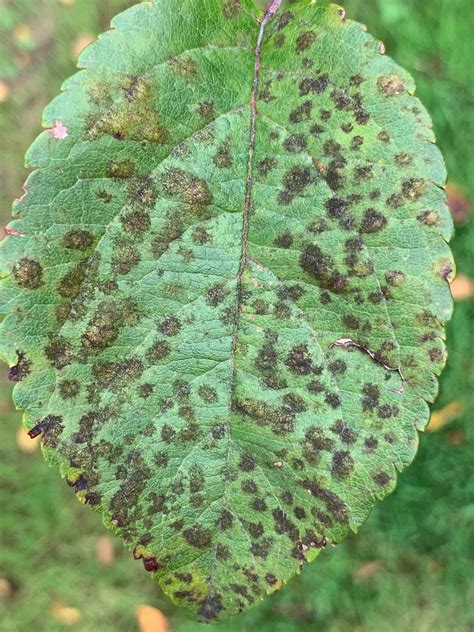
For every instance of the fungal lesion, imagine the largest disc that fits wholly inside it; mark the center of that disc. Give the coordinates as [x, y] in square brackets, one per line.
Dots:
[133, 116]
[377, 356]
[106, 324]
[21, 369]
[28, 273]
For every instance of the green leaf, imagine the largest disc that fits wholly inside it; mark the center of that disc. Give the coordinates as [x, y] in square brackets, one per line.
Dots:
[226, 312]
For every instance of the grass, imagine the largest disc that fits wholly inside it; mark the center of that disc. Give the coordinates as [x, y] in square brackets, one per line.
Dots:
[410, 568]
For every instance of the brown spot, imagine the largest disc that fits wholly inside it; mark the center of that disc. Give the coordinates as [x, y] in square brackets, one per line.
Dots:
[301, 113]
[211, 606]
[198, 537]
[206, 110]
[295, 181]
[299, 360]
[104, 327]
[51, 428]
[151, 565]
[158, 351]
[59, 352]
[28, 273]
[285, 240]
[21, 369]
[69, 389]
[231, 9]
[295, 143]
[266, 165]
[342, 464]
[170, 326]
[78, 240]
[216, 294]
[315, 85]
[120, 170]
[382, 479]
[304, 41]
[413, 189]
[223, 157]
[373, 221]
[391, 85]
[136, 222]
[429, 218]
[188, 187]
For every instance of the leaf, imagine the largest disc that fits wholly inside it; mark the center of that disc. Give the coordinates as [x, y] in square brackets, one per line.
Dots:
[226, 307]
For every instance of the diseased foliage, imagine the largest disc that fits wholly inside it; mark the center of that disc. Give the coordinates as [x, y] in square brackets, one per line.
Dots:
[226, 316]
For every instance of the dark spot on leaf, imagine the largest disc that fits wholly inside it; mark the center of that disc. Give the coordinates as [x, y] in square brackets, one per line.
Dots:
[284, 19]
[223, 157]
[189, 188]
[346, 434]
[342, 464]
[301, 113]
[315, 85]
[104, 327]
[69, 389]
[198, 537]
[295, 144]
[373, 221]
[391, 85]
[336, 208]
[284, 240]
[120, 170]
[266, 165]
[78, 240]
[170, 326]
[231, 8]
[151, 565]
[211, 607]
[158, 351]
[28, 273]
[304, 41]
[413, 189]
[59, 352]
[299, 360]
[216, 294]
[321, 266]
[136, 222]
[206, 110]
[21, 369]
[382, 479]
[208, 394]
[249, 486]
[247, 464]
[51, 428]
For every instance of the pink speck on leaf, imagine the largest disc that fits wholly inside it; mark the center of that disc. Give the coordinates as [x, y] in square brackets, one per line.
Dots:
[59, 130]
[12, 232]
[343, 342]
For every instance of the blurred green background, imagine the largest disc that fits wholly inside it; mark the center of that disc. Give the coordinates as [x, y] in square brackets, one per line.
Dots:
[411, 567]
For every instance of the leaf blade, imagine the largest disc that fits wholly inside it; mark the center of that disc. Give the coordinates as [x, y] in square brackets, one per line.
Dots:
[258, 439]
